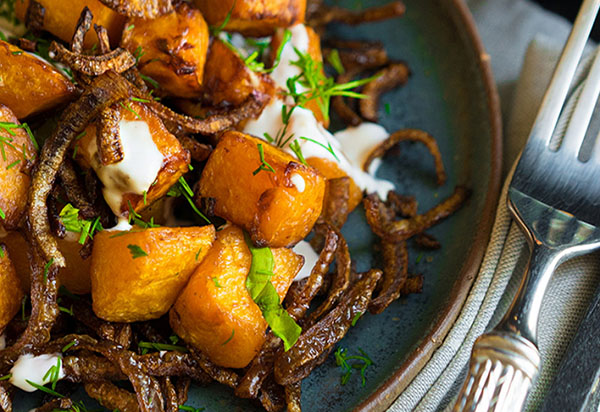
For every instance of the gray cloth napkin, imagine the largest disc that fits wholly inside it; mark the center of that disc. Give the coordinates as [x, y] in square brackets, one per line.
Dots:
[524, 43]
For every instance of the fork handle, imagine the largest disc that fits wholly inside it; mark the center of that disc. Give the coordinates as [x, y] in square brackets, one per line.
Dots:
[502, 367]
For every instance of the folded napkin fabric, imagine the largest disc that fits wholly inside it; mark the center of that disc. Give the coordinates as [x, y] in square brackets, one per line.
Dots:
[573, 284]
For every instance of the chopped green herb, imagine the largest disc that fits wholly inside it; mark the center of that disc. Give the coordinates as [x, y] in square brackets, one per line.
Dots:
[68, 346]
[198, 253]
[174, 339]
[190, 167]
[131, 26]
[6, 377]
[69, 216]
[419, 258]
[145, 193]
[229, 339]
[328, 147]
[53, 374]
[336, 62]
[263, 163]
[150, 80]
[182, 188]
[80, 135]
[68, 311]
[295, 147]
[263, 293]
[341, 359]
[216, 30]
[44, 389]
[138, 53]
[2, 253]
[216, 282]
[17, 52]
[387, 108]
[3, 36]
[47, 268]
[128, 107]
[356, 318]
[2, 214]
[137, 99]
[161, 346]
[13, 164]
[190, 408]
[136, 251]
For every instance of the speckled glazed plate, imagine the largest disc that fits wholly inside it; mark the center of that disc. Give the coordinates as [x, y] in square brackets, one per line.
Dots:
[451, 95]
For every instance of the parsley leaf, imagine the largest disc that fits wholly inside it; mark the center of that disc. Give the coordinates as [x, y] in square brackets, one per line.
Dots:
[136, 251]
[263, 293]
[69, 216]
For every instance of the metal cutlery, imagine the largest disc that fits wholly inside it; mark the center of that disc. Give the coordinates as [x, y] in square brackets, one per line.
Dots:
[554, 197]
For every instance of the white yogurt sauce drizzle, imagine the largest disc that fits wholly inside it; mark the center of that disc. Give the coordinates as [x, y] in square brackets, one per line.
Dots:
[33, 368]
[350, 146]
[136, 172]
[304, 248]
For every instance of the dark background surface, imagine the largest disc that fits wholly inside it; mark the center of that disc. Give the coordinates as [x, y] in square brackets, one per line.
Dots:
[568, 9]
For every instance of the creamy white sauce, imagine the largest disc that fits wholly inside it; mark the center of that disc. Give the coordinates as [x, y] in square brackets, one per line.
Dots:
[302, 123]
[298, 181]
[136, 172]
[357, 142]
[33, 368]
[122, 225]
[285, 69]
[304, 248]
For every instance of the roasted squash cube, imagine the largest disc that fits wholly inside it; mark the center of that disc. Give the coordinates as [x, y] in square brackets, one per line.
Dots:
[75, 276]
[251, 17]
[61, 17]
[171, 49]
[142, 159]
[10, 289]
[16, 158]
[215, 312]
[278, 201]
[29, 85]
[137, 275]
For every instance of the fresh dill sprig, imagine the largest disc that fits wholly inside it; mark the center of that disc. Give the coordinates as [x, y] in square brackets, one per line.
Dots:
[161, 346]
[295, 147]
[216, 30]
[341, 359]
[263, 163]
[334, 59]
[328, 147]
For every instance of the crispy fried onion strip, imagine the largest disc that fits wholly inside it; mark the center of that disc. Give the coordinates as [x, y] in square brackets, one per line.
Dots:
[427, 241]
[103, 39]
[260, 367]
[108, 139]
[56, 404]
[118, 60]
[336, 207]
[105, 90]
[415, 136]
[198, 151]
[147, 9]
[5, 396]
[111, 396]
[179, 124]
[75, 191]
[398, 230]
[297, 363]
[389, 77]
[395, 266]
[221, 375]
[292, 397]
[83, 26]
[337, 14]
[272, 396]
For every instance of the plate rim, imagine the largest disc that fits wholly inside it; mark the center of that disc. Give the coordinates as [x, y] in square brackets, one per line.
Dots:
[392, 387]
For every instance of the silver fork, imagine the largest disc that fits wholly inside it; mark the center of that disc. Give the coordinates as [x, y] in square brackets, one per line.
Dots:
[554, 197]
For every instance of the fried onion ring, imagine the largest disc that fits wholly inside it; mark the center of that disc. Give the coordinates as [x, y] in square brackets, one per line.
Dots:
[388, 78]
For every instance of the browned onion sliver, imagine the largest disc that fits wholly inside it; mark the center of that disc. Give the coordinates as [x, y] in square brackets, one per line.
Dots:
[395, 272]
[111, 396]
[81, 28]
[108, 138]
[118, 60]
[389, 77]
[147, 9]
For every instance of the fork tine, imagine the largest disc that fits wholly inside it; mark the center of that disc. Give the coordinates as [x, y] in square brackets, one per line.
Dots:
[556, 94]
[584, 109]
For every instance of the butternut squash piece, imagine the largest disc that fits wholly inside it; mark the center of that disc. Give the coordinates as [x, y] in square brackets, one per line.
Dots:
[75, 276]
[331, 170]
[137, 275]
[277, 207]
[16, 154]
[227, 79]
[10, 289]
[175, 161]
[314, 51]
[171, 49]
[215, 312]
[60, 19]
[29, 85]
[251, 17]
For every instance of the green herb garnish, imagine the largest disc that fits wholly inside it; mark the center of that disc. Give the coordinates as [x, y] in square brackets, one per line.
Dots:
[216, 30]
[336, 62]
[161, 346]
[53, 374]
[136, 251]
[216, 282]
[6, 377]
[190, 408]
[229, 339]
[47, 268]
[328, 147]
[263, 163]
[341, 359]
[263, 293]
[69, 216]
[44, 389]
[295, 147]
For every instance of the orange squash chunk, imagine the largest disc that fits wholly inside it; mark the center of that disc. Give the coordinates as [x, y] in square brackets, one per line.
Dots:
[137, 275]
[75, 276]
[215, 312]
[278, 208]
[173, 49]
[16, 154]
[175, 162]
[10, 289]
[29, 85]
[251, 17]
[331, 170]
[60, 18]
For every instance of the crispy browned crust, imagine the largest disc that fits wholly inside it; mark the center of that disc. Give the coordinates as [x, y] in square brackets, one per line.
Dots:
[108, 139]
[118, 60]
[147, 9]
[111, 396]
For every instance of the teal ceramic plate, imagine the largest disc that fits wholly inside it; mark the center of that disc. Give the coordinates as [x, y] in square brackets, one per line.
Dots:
[451, 95]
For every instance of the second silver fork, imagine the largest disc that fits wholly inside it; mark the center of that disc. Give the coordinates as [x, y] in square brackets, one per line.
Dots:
[555, 198]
